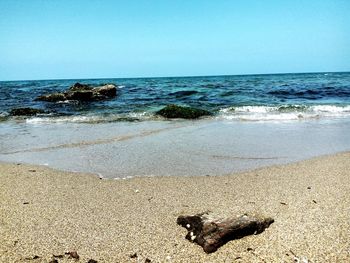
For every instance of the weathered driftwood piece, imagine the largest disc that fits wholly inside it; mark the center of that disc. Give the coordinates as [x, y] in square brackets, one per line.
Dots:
[212, 232]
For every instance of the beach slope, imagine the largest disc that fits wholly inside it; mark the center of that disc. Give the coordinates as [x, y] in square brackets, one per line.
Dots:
[45, 212]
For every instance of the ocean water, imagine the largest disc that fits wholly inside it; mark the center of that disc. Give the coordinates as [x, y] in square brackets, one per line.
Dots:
[258, 120]
[247, 97]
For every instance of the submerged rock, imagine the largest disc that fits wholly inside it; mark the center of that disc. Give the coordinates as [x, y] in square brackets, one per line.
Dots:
[26, 112]
[82, 92]
[175, 111]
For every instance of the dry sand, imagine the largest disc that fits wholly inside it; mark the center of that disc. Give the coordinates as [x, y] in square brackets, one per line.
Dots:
[44, 212]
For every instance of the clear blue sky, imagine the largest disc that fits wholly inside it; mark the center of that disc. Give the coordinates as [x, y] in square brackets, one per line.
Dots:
[48, 39]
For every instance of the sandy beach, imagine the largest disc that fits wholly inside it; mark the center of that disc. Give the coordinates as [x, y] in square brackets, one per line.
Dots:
[174, 131]
[46, 212]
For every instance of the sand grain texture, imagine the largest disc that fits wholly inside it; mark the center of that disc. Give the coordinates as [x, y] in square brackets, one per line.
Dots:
[45, 212]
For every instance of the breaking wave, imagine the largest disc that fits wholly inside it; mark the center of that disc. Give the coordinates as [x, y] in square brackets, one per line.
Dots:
[237, 113]
[101, 118]
[284, 112]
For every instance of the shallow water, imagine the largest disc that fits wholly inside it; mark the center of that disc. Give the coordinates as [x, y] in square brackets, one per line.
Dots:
[157, 148]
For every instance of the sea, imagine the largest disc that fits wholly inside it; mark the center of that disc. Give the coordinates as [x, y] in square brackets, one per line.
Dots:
[257, 120]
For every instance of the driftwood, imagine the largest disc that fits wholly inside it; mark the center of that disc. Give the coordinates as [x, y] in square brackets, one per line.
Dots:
[212, 232]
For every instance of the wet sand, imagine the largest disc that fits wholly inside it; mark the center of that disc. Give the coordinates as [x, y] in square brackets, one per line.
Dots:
[45, 212]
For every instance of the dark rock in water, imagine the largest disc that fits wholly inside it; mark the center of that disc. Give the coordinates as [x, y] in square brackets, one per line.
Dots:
[108, 90]
[26, 112]
[82, 92]
[79, 86]
[82, 95]
[212, 232]
[174, 111]
[54, 97]
[92, 261]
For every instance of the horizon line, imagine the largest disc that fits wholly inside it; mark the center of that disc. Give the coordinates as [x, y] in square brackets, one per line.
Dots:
[184, 76]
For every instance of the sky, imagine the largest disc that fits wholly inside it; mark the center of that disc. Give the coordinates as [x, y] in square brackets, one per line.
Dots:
[65, 39]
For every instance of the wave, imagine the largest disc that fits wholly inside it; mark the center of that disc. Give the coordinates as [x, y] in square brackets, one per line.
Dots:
[235, 113]
[324, 92]
[98, 118]
[4, 116]
[183, 93]
[284, 112]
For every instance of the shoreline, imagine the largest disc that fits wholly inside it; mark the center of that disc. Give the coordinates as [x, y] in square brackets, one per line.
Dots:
[237, 173]
[46, 212]
[178, 148]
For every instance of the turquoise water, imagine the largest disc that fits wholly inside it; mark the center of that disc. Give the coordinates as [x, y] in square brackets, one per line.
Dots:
[247, 97]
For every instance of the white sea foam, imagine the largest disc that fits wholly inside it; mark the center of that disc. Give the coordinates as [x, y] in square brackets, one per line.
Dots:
[91, 118]
[245, 113]
[284, 113]
[264, 117]
[250, 109]
[67, 102]
[331, 109]
[78, 119]
[4, 114]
